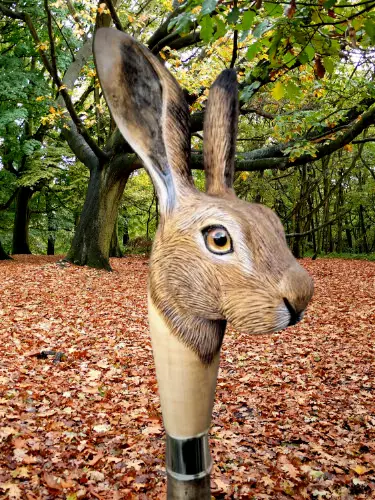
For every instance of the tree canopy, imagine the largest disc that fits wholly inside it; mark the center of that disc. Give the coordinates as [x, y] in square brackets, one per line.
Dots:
[306, 132]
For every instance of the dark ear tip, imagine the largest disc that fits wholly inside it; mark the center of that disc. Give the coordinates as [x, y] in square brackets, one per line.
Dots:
[230, 74]
[227, 80]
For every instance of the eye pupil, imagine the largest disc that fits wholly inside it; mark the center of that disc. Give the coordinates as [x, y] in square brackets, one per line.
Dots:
[217, 240]
[220, 239]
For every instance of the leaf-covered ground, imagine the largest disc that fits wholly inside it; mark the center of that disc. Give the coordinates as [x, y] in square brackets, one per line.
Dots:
[294, 414]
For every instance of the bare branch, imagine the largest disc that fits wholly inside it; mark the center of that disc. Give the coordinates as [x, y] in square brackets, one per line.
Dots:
[235, 42]
[257, 111]
[8, 203]
[64, 37]
[74, 14]
[345, 20]
[114, 15]
[162, 31]
[306, 233]
[51, 39]
[360, 141]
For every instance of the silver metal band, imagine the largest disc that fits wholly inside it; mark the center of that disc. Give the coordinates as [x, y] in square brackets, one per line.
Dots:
[188, 458]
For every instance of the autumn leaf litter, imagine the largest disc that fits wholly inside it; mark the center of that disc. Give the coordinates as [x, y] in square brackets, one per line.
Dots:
[294, 415]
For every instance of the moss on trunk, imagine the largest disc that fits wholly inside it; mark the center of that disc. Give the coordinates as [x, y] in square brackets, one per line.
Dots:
[92, 240]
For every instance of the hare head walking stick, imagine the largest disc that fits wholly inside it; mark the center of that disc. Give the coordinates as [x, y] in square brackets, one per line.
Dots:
[215, 258]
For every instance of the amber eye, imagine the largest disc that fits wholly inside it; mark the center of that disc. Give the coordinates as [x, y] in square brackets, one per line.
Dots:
[217, 240]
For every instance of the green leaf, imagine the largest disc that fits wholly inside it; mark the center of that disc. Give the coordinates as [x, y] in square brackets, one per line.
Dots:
[303, 58]
[207, 28]
[247, 20]
[369, 26]
[289, 59]
[278, 91]
[307, 54]
[208, 7]
[253, 50]
[329, 65]
[329, 3]
[10, 116]
[233, 15]
[243, 35]
[255, 85]
[335, 47]
[28, 147]
[262, 28]
[292, 90]
[272, 51]
[310, 51]
[273, 9]
[181, 23]
[221, 27]
[71, 496]
[248, 92]
[357, 24]
[316, 474]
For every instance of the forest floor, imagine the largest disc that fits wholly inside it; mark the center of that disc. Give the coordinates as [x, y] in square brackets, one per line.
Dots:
[294, 414]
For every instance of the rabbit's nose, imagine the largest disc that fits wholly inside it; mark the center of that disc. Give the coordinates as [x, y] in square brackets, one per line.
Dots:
[296, 289]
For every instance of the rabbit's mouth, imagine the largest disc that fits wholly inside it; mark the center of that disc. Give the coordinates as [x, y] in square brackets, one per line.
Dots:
[263, 319]
[287, 315]
[295, 316]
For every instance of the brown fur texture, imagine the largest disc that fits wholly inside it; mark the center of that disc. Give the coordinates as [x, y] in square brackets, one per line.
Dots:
[220, 133]
[149, 108]
[197, 292]
[258, 287]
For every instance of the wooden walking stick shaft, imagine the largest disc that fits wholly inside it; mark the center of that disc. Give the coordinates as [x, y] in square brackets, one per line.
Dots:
[188, 490]
[187, 390]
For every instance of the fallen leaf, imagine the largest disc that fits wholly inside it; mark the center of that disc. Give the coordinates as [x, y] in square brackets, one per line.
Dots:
[12, 489]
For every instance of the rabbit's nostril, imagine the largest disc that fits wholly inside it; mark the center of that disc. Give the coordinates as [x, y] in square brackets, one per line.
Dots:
[295, 316]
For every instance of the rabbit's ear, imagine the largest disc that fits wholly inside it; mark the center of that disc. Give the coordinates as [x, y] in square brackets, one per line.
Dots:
[149, 109]
[220, 133]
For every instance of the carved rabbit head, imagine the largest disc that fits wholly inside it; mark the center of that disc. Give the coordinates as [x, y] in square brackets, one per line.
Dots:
[215, 257]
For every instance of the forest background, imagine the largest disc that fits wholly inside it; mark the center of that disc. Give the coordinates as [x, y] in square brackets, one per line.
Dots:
[69, 183]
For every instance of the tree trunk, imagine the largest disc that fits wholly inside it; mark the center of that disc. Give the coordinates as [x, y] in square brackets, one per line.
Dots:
[52, 226]
[51, 245]
[125, 236]
[362, 231]
[296, 246]
[258, 194]
[312, 225]
[92, 239]
[330, 239]
[115, 249]
[348, 233]
[339, 209]
[3, 254]
[326, 216]
[319, 234]
[21, 222]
